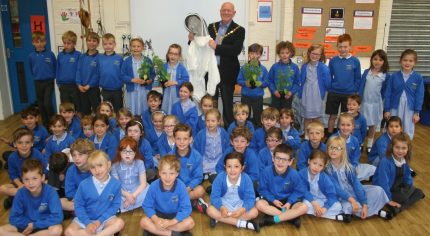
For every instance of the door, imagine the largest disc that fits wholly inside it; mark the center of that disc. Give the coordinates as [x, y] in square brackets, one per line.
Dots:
[20, 18]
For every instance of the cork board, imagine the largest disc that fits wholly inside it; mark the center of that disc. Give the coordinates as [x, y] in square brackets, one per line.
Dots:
[358, 18]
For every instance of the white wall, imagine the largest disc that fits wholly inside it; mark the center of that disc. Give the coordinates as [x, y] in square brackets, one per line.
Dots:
[6, 108]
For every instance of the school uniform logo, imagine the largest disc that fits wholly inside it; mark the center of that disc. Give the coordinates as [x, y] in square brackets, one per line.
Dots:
[175, 199]
[189, 166]
[116, 62]
[72, 60]
[286, 185]
[48, 60]
[43, 207]
[36, 139]
[93, 64]
[349, 67]
[111, 197]
[413, 86]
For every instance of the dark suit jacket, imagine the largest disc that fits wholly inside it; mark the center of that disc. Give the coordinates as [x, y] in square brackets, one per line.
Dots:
[228, 51]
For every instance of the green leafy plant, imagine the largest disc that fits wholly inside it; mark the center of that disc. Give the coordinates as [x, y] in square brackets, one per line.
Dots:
[145, 69]
[160, 71]
[251, 72]
[283, 81]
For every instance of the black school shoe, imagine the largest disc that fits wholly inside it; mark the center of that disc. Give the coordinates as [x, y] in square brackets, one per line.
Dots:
[296, 222]
[212, 222]
[266, 220]
[346, 218]
[255, 224]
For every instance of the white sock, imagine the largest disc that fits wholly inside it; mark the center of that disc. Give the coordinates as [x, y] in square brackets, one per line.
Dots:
[382, 213]
[339, 217]
[369, 142]
[244, 224]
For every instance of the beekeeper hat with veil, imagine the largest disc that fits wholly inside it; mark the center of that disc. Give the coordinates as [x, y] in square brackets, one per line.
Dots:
[200, 57]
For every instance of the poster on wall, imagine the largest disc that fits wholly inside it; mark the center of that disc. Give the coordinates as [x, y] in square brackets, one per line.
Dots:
[336, 13]
[331, 34]
[38, 24]
[364, 1]
[265, 54]
[264, 13]
[69, 16]
[311, 16]
[363, 19]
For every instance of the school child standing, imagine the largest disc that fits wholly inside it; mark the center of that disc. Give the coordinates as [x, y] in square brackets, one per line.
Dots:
[281, 188]
[320, 196]
[110, 73]
[36, 209]
[405, 93]
[104, 140]
[137, 88]
[361, 200]
[345, 74]
[167, 204]
[241, 114]
[211, 142]
[87, 76]
[59, 139]
[393, 175]
[177, 74]
[128, 167]
[232, 196]
[315, 134]
[314, 82]
[283, 77]
[185, 109]
[77, 171]
[372, 88]
[379, 150]
[253, 79]
[67, 65]
[97, 200]
[43, 69]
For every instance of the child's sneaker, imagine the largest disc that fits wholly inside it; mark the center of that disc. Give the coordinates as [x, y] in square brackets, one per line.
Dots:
[200, 205]
[212, 222]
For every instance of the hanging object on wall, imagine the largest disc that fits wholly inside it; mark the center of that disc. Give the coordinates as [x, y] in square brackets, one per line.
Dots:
[100, 28]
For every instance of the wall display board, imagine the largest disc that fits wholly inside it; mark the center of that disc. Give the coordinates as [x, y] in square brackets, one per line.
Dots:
[323, 21]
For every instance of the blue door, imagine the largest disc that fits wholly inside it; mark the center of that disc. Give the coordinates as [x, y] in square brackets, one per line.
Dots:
[20, 18]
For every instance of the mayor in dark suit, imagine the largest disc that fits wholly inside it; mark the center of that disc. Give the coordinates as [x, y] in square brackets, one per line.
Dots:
[227, 41]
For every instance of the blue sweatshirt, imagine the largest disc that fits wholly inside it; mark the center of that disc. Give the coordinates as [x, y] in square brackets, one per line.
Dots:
[110, 72]
[245, 190]
[88, 70]
[292, 138]
[175, 200]
[119, 133]
[379, 148]
[305, 151]
[279, 71]
[201, 123]
[248, 125]
[200, 140]
[265, 158]
[274, 186]
[385, 175]
[152, 137]
[345, 74]
[127, 74]
[52, 146]
[109, 144]
[43, 65]
[40, 135]
[67, 66]
[146, 150]
[191, 171]
[163, 145]
[413, 87]
[323, 76]
[363, 84]
[353, 181]
[15, 163]
[181, 76]
[73, 178]
[258, 140]
[360, 128]
[250, 160]
[90, 206]
[43, 211]
[190, 117]
[248, 91]
[325, 185]
[74, 128]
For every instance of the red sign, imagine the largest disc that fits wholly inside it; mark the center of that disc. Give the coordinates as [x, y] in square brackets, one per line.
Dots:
[302, 44]
[38, 24]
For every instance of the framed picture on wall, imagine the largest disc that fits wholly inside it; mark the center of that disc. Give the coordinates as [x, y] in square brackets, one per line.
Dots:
[337, 13]
[264, 11]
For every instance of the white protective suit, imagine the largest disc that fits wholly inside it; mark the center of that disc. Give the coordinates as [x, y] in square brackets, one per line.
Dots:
[201, 59]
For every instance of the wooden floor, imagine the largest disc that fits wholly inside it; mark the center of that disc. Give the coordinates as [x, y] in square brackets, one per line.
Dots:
[414, 221]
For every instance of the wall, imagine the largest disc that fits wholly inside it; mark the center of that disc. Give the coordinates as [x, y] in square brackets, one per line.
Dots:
[5, 95]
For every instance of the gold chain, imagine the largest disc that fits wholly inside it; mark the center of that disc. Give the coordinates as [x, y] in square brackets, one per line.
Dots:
[229, 33]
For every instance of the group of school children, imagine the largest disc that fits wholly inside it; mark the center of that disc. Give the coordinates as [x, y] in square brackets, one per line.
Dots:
[156, 151]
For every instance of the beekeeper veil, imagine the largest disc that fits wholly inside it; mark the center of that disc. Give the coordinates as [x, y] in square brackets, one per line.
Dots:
[196, 25]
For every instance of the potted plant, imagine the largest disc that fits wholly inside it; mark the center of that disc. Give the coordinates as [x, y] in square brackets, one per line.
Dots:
[251, 72]
[283, 82]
